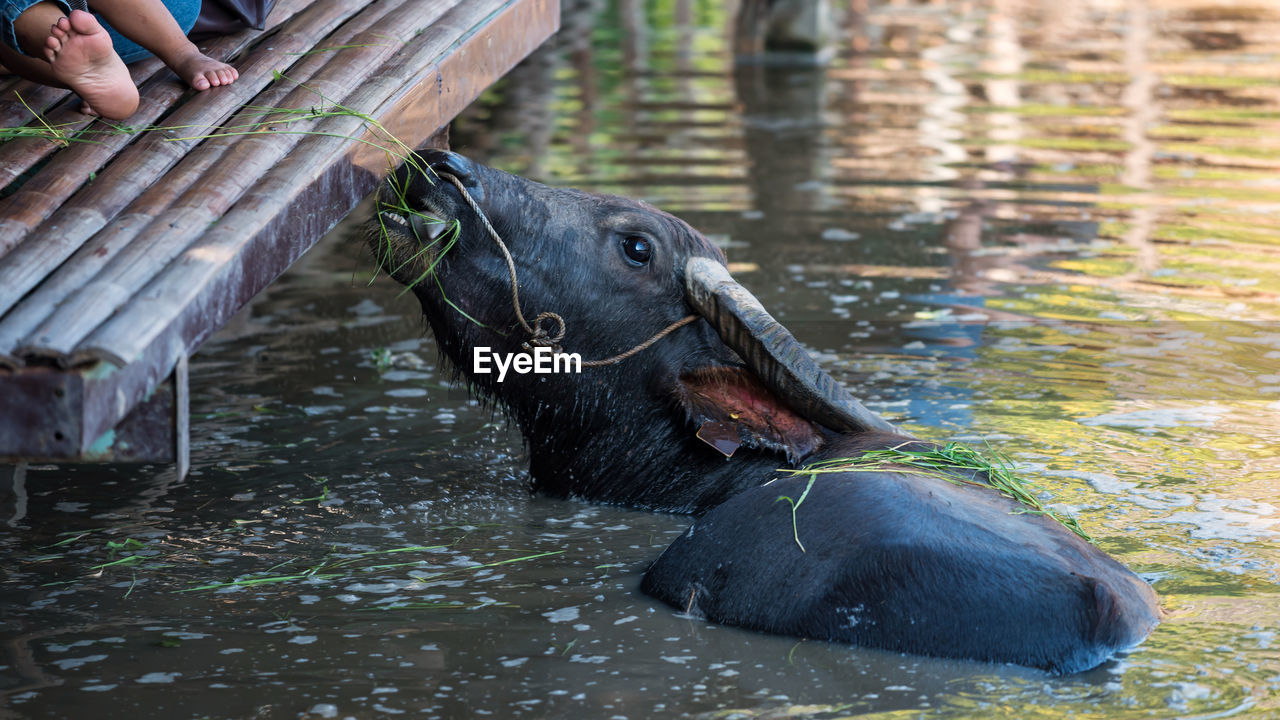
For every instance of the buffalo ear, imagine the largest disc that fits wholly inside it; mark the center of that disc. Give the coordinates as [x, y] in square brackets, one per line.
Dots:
[732, 408]
[773, 353]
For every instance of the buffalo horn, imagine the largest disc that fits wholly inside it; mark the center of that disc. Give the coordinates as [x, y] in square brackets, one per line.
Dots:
[772, 352]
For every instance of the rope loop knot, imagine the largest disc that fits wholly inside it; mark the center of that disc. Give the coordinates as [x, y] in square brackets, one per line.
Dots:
[539, 336]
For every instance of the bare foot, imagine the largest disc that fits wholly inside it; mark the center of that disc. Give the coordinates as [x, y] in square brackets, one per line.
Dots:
[80, 52]
[201, 71]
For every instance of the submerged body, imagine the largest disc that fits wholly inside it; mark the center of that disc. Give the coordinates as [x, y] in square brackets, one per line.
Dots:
[702, 421]
[905, 562]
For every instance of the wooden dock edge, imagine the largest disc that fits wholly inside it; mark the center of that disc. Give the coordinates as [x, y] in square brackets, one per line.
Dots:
[138, 412]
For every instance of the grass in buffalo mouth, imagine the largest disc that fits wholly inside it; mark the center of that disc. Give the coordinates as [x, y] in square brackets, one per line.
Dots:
[433, 249]
[954, 462]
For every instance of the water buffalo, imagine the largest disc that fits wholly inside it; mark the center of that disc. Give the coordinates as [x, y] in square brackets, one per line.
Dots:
[710, 419]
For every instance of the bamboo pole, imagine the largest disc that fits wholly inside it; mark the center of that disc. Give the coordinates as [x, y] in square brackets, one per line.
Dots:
[9, 82]
[26, 209]
[224, 183]
[20, 155]
[106, 244]
[40, 98]
[471, 46]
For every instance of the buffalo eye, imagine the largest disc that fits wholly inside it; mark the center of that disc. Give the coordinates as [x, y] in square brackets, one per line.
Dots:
[637, 248]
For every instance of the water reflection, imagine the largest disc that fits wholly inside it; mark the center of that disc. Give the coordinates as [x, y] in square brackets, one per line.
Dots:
[1049, 225]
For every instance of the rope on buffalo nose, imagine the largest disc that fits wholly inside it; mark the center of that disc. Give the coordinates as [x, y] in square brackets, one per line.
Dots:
[539, 335]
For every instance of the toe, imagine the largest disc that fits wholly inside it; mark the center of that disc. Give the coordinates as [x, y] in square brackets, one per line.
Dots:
[199, 82]
[82, 22]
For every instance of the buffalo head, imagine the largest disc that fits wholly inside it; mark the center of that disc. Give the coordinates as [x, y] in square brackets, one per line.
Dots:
[652, 430]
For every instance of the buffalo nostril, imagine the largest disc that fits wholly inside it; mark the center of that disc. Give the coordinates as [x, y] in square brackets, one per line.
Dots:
[445, 162]
[442, 163]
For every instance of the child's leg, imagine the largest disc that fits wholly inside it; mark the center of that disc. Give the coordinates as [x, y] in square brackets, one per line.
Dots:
[26, 28]
[184, 12]
[13, 58]
[28, 67]
[149, 23]
[79, 55]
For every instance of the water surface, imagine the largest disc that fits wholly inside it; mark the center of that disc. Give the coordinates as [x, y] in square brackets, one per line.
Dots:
[1051, 227]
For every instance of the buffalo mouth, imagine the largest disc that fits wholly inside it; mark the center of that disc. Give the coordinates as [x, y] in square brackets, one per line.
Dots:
[409, 245]
[415, 221]
[413, 225]
[419, 217]
[420, 200]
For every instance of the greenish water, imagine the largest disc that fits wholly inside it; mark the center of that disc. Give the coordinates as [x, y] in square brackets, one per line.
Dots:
[1052, 227]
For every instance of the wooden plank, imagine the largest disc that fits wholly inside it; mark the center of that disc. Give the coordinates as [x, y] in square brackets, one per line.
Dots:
[162, 240]
[40, 97]
[256, 241]
[39, 413]
[146, 159]
[148, 433]
[488, 44]
[73, 274]
[26, 209]
[19, 156]
[182, 415]
[153, 152]
[154, 430]
[288, 209]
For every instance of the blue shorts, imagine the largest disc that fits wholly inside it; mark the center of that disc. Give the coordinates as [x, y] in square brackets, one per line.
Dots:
[184, 11]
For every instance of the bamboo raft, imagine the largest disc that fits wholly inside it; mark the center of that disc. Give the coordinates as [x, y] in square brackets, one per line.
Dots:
[123, 248]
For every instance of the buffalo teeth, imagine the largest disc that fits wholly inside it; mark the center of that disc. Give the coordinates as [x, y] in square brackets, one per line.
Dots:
[396, 219]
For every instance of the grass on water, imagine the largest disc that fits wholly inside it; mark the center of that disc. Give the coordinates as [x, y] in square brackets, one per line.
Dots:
[954, 462]
[156, 558]
[337, 567]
